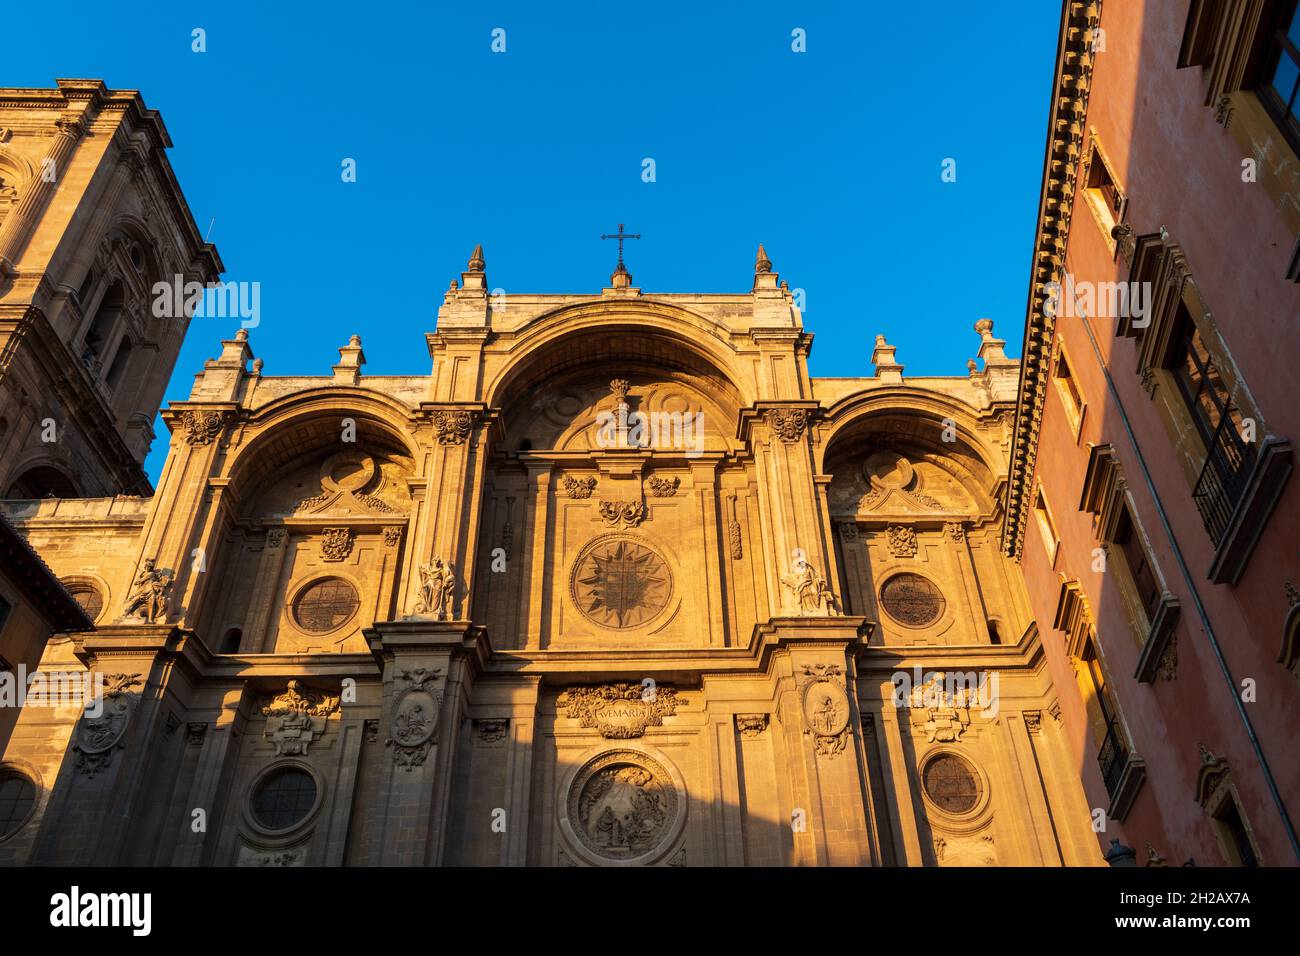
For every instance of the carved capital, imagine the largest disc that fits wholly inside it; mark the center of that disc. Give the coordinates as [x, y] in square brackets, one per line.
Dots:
[788, 424]
[202, 426]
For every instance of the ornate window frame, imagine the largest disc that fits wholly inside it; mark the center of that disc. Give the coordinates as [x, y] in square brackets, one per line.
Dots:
[1214, 789]
[1074, 619]
[1157, 259]
[1107, 498]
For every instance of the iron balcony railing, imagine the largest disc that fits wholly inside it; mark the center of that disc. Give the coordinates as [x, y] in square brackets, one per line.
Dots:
[1112, 757]
[1223, 477]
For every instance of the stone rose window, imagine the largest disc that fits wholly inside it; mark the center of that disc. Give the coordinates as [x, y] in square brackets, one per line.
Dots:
[325, 605]
[284, 798]
[912, 599]
[952, 784]
[91, 601]
[17, 800]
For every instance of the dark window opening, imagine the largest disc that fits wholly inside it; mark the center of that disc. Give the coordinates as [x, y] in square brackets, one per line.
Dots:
[1279, 86]
[42, 482]
[230, 641]
[1229, 817]
[994, 636]
[120, 360]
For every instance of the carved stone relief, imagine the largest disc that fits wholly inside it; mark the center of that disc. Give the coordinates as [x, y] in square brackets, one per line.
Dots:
[619, 711]
[415, 717]
[297, 718]
[97, 738]
[825, 707]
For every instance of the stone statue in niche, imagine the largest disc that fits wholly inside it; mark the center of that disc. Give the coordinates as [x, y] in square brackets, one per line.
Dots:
[148, 598]
[437, 584]
[807, 587]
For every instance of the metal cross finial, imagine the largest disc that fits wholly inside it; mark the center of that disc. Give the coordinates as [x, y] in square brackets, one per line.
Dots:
[620, 236]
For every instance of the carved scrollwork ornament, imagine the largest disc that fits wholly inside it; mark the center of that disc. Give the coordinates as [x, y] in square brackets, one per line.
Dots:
[202, 426]
[101, 730]
[453, 427]
[788, 423]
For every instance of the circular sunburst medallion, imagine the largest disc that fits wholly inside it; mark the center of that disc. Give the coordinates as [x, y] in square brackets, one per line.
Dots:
[623, 807]
[912, 599]
[621, 583]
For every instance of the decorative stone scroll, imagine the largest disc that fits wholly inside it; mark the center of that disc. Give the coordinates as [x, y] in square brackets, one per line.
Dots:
[297, 718]
[453, 427]
[619, 711]
[788, 423]
[626, 514]
[751, 725]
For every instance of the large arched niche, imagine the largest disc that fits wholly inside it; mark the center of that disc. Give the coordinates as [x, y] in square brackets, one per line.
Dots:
[907, 453]
[293, 438]
[554, 397]
[318, 496]
[618, 330]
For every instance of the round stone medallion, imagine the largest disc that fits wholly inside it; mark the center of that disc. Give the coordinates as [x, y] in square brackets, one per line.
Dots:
[623, 807]
[620, 583]
[912, 599]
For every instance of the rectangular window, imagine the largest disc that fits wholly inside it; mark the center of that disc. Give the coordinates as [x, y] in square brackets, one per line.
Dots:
[1102, 192]
[1280, 86]
[1068, 388]
[5, 608]
[1103, 717]
[1235, 835]
[1218, 421]
[1139, 563]
[1045, 524]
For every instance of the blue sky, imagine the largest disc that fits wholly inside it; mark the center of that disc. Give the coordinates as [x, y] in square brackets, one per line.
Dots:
[831, 157]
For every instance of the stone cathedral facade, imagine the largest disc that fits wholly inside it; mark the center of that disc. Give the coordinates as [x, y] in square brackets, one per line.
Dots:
[616, 584]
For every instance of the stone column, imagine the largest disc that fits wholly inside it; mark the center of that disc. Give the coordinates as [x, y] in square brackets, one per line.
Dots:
[428, 669]
[452, 505]
[22, 219]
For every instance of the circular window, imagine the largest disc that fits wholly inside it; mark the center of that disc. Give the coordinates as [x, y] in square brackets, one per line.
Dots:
[952, 784]
[325, 605]
[912, 599]
[284, 798]
[91, 601]
[17, 800]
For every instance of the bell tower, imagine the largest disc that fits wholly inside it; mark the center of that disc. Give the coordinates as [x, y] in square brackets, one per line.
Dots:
[91, 220]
